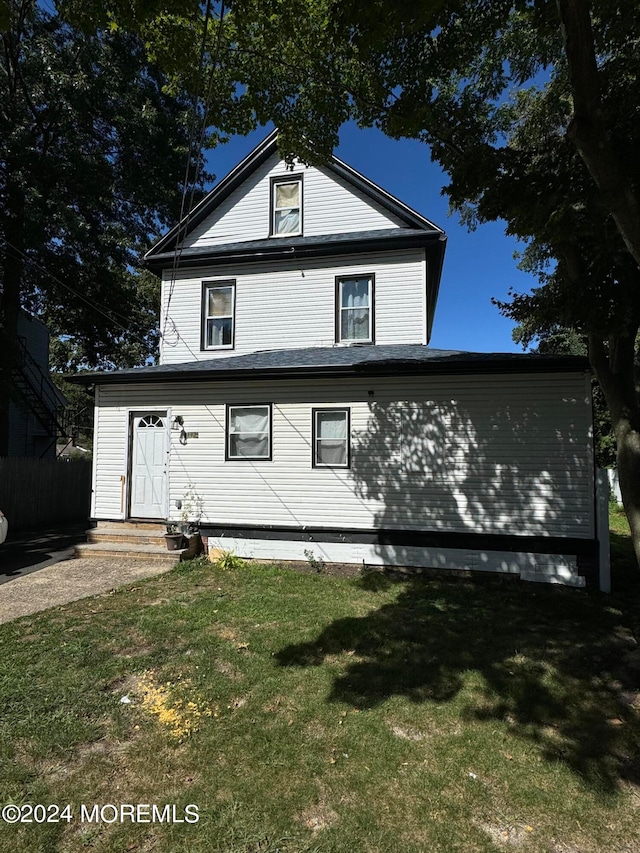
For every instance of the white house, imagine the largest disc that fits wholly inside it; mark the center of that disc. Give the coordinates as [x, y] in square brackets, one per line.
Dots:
[298, 401]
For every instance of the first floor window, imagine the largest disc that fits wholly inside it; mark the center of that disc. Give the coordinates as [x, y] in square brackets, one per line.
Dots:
[331, 438]
[218, 314]
[355, 310]
[249, 432]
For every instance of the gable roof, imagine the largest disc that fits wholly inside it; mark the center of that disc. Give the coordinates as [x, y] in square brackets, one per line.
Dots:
[166, 246]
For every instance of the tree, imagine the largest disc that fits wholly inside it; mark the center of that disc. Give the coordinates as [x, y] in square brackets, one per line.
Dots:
[93, 150]
[530, 107]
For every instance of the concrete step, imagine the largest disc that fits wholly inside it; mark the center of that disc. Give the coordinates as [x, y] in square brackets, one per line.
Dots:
[128, 550]
[158, 526]
[126, 534]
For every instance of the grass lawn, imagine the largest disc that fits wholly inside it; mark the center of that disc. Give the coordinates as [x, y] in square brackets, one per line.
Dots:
[305, 712]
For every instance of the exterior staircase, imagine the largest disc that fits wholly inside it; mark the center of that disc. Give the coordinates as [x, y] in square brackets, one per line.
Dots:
[135, 540]
[35, 392]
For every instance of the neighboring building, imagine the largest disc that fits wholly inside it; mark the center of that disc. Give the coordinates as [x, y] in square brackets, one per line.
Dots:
[298, 403]
[36, 408]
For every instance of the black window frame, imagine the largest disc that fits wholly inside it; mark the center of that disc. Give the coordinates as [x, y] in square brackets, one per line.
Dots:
[206, 287]
[227, 432]
[372, 308]
[285, 179]
[314, 436]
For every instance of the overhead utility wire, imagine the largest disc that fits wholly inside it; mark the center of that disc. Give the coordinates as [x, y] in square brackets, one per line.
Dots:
[184, 220]
[99, 308]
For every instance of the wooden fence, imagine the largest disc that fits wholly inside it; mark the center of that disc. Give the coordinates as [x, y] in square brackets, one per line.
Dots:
[40, 493]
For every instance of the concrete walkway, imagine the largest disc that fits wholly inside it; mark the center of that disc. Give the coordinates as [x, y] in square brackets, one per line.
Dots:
[26, 552]
[38, 571]
[70, 580]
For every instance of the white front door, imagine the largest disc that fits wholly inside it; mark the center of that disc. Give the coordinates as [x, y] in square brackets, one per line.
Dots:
[149, 466]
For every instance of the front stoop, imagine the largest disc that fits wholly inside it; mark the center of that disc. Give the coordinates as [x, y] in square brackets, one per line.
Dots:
[128, 539]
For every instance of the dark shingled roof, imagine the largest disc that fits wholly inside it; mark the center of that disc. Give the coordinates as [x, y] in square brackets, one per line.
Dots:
[357, 360]
[249, 251]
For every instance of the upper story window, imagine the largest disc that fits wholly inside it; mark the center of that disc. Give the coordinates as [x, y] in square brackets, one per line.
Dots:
[286, 206]
[218, 314]
[354, 309]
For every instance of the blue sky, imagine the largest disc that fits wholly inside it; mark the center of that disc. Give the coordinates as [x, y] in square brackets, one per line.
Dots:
[478, 265]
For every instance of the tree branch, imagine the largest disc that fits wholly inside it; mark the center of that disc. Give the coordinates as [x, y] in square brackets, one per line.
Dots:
[589, 130]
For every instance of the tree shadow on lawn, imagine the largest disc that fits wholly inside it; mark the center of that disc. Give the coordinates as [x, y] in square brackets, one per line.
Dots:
[550, 659]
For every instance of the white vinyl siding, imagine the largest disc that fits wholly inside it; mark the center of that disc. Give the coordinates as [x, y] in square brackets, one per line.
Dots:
[485, 454]
[111, 441]
[295, 305]
[331, 206]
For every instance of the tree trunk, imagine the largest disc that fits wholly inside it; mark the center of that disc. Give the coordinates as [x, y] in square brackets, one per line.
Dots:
[615, 371]
[589, 130]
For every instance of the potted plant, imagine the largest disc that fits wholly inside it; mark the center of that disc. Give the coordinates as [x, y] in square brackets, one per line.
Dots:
[174, 537]
[192, 507]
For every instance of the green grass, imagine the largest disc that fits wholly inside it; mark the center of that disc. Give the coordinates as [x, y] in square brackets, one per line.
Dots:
[303, 712]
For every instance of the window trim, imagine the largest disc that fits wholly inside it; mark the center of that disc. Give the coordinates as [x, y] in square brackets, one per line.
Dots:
[206, 287]
[372, 309]
[285, 179]
[227, 432]
[314, 435]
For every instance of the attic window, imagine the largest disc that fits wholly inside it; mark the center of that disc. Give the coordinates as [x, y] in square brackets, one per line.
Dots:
[286, 207]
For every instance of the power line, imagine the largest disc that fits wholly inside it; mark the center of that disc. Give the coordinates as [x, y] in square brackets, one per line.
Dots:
[207, 102]
[95, 305]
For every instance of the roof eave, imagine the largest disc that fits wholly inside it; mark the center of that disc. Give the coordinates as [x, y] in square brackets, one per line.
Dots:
[280, 251]
[433, 283]
[217, 195]
[393, 367]
[381, 196]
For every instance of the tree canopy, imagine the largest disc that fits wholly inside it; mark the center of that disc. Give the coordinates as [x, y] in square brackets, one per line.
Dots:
[530, 106]
[93, 150]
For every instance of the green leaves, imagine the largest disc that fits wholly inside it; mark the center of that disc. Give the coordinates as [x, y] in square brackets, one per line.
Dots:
[92, 153]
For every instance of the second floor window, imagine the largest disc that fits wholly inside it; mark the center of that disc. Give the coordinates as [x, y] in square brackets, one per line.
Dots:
[286, 207]
[218, 314]
[354, 315]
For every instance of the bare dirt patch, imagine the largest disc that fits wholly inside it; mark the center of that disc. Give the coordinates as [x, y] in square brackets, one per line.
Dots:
[506, 835]
[318, 817]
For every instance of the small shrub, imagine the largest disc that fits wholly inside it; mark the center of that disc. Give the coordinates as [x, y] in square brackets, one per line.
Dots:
[228, 561]
[316, 563]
